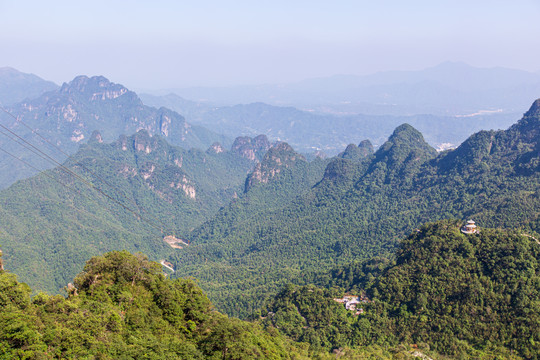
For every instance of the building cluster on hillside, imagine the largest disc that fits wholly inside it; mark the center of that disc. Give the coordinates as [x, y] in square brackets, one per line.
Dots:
[352, 302]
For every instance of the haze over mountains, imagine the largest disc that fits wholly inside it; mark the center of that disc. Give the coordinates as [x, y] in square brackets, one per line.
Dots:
[447, 89]
[16, 86]
[308, 132]
[67, 116]
[271, 233]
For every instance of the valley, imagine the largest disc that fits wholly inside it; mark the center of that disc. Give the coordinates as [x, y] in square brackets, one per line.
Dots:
[271, 232]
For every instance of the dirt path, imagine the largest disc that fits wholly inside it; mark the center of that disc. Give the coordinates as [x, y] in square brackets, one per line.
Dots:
[532, 237]
[166, 264]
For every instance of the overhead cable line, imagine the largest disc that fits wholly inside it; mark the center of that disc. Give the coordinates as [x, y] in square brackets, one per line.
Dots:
[45, 173]
[35, 168]
[17, 120]
[69, 171]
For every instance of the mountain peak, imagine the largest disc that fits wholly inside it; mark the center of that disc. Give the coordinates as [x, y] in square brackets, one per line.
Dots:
[528, 128]
[405, 149]
[353, 152]
[95, 88]
[278, 158]
[16, 86]
[534, 110]
[251, 148]
[95, 137]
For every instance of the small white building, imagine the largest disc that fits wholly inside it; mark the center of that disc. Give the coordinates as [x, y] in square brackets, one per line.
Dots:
[469, 228]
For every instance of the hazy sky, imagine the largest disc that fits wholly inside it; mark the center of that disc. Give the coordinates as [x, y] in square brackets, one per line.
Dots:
[172, 44]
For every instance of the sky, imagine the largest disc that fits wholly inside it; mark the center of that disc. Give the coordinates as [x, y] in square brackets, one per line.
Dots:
[151, 45]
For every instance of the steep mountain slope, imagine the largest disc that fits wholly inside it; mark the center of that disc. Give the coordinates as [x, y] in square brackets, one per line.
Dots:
[447, 287]
[69, 115]
[467, 296]
[16, 86]
[152, 190]
[361, 208]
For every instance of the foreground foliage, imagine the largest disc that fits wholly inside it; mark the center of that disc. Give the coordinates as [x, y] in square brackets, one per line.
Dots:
[123, 307]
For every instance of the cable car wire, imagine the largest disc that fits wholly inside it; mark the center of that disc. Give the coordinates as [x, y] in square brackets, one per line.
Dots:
[37, 151]
[122, 194]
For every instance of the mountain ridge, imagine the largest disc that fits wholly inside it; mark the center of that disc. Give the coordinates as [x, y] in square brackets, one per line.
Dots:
[15, 86]
[361, 209]
[68, 115]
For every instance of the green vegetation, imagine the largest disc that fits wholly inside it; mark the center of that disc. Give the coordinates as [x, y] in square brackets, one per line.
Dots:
[68, 115]
[122, 307]
[361, 208]
[48, 231]
[465, 296]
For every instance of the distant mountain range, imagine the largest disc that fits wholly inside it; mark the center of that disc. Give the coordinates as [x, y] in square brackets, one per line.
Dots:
[68, 115]
[16, 86]
[309, 131]
[447, 89]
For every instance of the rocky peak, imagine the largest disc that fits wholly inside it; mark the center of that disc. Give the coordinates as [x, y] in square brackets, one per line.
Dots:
[251, 148]
[143, 141]
[95, 88]
[216, 148]
[278, 158]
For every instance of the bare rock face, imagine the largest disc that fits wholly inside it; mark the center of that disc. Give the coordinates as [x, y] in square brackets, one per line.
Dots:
[144, 142]
[96, 88]
[251, 148]
[216, 148]
[278, 158]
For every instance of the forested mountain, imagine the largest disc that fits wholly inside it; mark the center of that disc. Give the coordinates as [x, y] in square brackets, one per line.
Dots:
[67, 116]
[307, 131]
[465, 296]
[361, 208]
[16, 86]
[123, 307]
[148, 189]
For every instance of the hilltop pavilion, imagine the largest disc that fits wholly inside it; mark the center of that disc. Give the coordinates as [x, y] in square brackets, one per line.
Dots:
[469, 228]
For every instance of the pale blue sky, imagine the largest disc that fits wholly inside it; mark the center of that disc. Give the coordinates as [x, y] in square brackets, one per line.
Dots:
[168, 44]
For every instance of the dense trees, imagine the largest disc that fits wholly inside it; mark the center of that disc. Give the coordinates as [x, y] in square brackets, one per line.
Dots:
[50, 230]
[123, 307]
[361, 208]
[465, 296]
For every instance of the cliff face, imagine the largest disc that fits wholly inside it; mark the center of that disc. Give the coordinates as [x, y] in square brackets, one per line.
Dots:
[280, 157]
[69, 115]
[251, 148]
